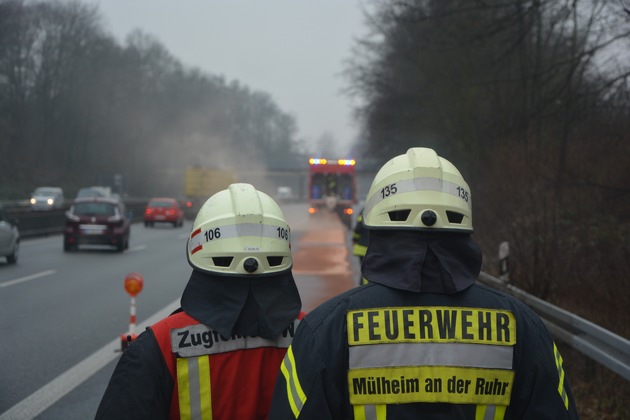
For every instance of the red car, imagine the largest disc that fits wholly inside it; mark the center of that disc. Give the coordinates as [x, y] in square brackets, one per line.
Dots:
[163, 210]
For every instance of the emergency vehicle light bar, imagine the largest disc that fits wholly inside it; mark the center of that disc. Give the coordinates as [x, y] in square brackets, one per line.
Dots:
[344, 162]
[313, 161]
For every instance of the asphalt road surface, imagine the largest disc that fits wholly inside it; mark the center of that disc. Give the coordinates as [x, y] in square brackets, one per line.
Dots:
[62, 314]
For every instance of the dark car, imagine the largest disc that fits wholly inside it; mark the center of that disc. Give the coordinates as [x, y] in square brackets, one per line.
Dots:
[163, 210]
[9, 237]
[97, 221]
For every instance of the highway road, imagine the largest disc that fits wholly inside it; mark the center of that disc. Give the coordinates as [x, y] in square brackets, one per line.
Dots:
[62, 314]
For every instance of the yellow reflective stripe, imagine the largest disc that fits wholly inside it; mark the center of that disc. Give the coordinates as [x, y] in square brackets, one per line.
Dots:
[561, 390]
[182, 385]
[359, 250]
[359, 412]
[480, 412]
[193, 382]
[490, 412]
[205, 389]
[295, 394]
[370, 412]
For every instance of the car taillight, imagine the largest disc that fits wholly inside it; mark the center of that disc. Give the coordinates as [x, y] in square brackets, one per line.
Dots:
[348, 211]
[148, 211]
[170, 212]
[312, 210]
[189, 204]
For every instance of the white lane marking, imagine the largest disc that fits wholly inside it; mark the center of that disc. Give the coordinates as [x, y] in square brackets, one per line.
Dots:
[36, 403]
[27, 278]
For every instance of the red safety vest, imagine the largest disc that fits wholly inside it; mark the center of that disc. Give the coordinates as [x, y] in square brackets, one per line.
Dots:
[217, 378]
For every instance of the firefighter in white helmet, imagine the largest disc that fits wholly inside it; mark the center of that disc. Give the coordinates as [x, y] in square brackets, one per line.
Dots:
[422, 339]
[218, 355]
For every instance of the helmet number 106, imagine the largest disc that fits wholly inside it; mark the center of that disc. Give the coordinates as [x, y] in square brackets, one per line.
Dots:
[283, 233]
[389, 190]
[212, 234]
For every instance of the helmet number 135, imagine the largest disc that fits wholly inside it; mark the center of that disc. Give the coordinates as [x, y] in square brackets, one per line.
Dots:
[389, 190]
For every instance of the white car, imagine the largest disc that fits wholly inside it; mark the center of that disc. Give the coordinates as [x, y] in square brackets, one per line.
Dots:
[47, 198]
[9, 238]
[284, 194]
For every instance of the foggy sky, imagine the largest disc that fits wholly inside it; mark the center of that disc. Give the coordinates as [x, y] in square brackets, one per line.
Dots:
[291, 49]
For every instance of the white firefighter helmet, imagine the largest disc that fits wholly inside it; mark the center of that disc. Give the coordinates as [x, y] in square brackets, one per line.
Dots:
[242, 231]
[419, 190]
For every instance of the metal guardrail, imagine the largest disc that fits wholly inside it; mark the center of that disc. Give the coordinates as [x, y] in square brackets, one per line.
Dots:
[602, 346]
[48, 222]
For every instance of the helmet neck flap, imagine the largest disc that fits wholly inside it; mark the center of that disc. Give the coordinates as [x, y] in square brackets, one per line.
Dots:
[417, 261]
[242, 305]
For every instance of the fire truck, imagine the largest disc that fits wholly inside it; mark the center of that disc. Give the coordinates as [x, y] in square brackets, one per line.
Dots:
[332, 186]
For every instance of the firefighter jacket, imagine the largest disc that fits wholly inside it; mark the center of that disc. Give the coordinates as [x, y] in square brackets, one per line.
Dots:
[215, 358]
[181, 369]
[427, 342]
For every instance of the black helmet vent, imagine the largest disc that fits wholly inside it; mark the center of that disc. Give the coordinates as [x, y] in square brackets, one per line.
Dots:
[222, 261]
[274, 261]
[399, 215]
[454, 217]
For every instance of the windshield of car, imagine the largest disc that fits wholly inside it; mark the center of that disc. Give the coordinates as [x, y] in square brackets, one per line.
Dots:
[161, 204]
[94, 209]
[88, 192]
[45, 191]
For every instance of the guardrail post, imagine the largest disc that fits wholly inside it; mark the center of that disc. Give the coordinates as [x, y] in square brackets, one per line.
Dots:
[504, 256]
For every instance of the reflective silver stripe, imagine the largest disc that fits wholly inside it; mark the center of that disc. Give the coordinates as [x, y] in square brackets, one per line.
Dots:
[431, 354]
[198, 339]
[194, 391]
[237, 231]
[490, 411]
[421, 184]
[370, 412]
[295, 394]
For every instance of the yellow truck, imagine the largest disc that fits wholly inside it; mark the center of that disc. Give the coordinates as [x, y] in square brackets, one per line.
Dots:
[202, 182]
